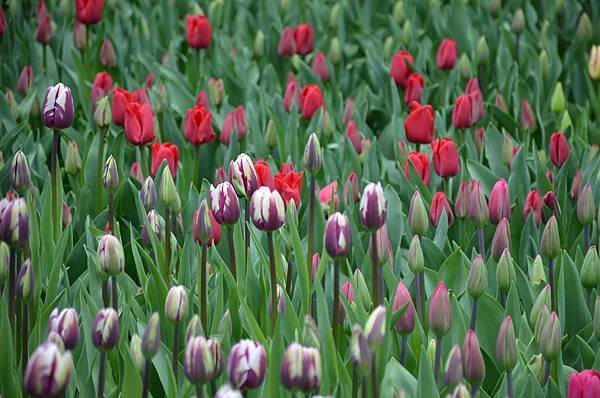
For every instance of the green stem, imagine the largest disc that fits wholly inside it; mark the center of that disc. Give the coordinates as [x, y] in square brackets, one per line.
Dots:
[232, 265]
[274, 302]
[54, 181]
[374, 380]
[551, 282]
[509, 385]
[175, 350]
[311, 227]
[101, 133]
[474, 314]
[115, 294]
[167, 266]
[111, 212]
[101, 375]
[404, 350]
[144, 160]
[246, 235]
[336, 302]
[202, 288]
[12, 274]
[145, 378]
[438, 358]
[376, 271]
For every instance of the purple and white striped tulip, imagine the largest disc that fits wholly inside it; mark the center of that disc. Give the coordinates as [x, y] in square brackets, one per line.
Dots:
[226, 391]
[66, 325]
[224, 203]
[176, 304]
[57, 108]
[247, 364]
[156, 223]
[202, 359]
[338, 236]
[25, 281]
[242, 175]
[291, 370]
[105, 332]
[48, 371]
[373, 207]
[110, 252]
[14, 221]
[311, 364]
[267, 209]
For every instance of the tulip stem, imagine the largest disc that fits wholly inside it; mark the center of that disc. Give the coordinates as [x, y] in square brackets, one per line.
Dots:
[473, 314]
[438, 358]
[547, 372]
[196, 177]
[101, 133]
[481, 238]
[377, 274]
[274, 303]
[509, 385]
[25, 333]
[115, 294]
[167, 266]
[232, 265]
[503, 299]
[101, 375]
[145, 378]
[404, 350]
[374, 381]
[111, 212]
[365, 382]
[419, 294]
[54, 181]
[311, 227]
[288, 278]
[551, 282]
[354, 382]
[199, 391]
[105, 294]
[247, 235]
[517, 45]
[12, 271]
[175, 350]
[589, 298]
[336, 301]
[144, 160]
[202, 287]
[586, 238]
[474, 389]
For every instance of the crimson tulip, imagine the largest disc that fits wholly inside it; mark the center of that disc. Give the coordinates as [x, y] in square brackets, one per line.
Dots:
[462, 114]
[291, 95]
[419, 125]
[304, 37]
[263, 172]
[559, 149]
[584, 384]
[354, 136]
[414, 88]
[168, 152]
[440, 203]
[289, 185]
[533, 204]
[446, 159]
[319, 66]
[287, 43]
[43, 33]
[311, 99]
[103, 85]
[198, 31]
[139, 123]
[400, 67]
[198, 126]
[121, 99]
[420, 162]
[476, 99]
[528, 121]
[446, 54]
[89, 11]
[499, 204]
[234, 120]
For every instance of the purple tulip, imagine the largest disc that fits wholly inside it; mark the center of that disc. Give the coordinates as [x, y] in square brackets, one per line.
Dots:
[48, 371]
[66, 325]
[105, 332]
[243, 175]
[154, 222]
[25, 281]
[406, 323]
[151, 337]
[247, 364]
[14, 221]
[202, 359]
[373, 207]
[57, 108]
[224, 203]
[338, 237]
[267, 209]
[440, 311]
[20, 177]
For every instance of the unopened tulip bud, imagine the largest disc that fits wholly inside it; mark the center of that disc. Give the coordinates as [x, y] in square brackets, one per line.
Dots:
[224, 203]
[537, 273]
[537, 366]
[110, 174]
[373, 207]
[334, 15]
[335, 51]
[267, 209]
[4, 261]
[557, 104]
[259, 44]
[176, 304]
[483, 52]
[199, 362]
[596, 322]
[107, 56]
[415, 259]
[270, 134]
[313, 155]
[418, 219]
[550, 241]
[440, 311]
[19, 172]
[280, 301]
[361, 289]
[291, 370]
[103, 113]
[586, 209]
[55, 338]
[543, 317]
[110, 253]
[135, 172]
[351, 192]
[464, 66]
[431, 348]
[242, 175]
[477, 280]
[594, 63]
[406, 32]
[505, 271]
[406, 323]
[48, 371]
[375, 327]
[461, 204]
[72, 159]
[312, 337]
[388, 46]
[338, 237]
[14, 222]
[12, 104]
[398, 11]
[327, 125]
[169, 196]
[543, 299]
[585, 30]
[151, 337]
[453, 373]
[478, 208]
[499, 205]
[247, 364]
[518, 22]
[215, 91]
[57, 108]
[473, 364]
[590, 270]
[155, 223]
[194, 328]
[506, 346]
[135, 351]
[550, 337]
[501, 240]
[203, 223]
[360, 352]
[79, 35]
[25, 281]
[148, 194]
[105, 331]
[66, 325]
[460, 391]
[311, 361]
[544, 64]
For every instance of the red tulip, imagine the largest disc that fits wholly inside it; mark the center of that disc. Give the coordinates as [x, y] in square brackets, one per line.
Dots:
[2, 23]
[289, 185]
[25, 81]
[319, 66]
[203, 100]
[419, 124]
[107, 56]
[354, 136]
[43, 32]
[476, 99]
[139, 123]
[287, 43]
[234, 120]
[551, 206]
[400, 67]
[527, 116]
[478, 136]
[325, 195]
[550, 176]
[291, 96]
[286, 167]
[414, 88]
[263, 172]
[533, 204]
[304, 37]
[198, 126]
[215, 231]
[462, 114]
[446, 159]
[576, 185]
[439, 203]
[351, 191]
[165, 151]
[149, 81]
[311, 99]
[198, 31]
[103, 85]
[585, 384]
[89, 11]
[420, 161]
[348, 292]
[499, 204]
[446, 54]
[559, 149]
[121, 99]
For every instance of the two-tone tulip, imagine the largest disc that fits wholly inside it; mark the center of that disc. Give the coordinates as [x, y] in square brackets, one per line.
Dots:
[478, 207]
[373, 207]
[156, 224]
[66, 325]
[224, 203]
[406, 322]
[313, 154]
[25, 283]
[501, 239]
[506, 346]
[440, 311]
[360, 352]
[247, 364]
[48, 371]
[151, 337]
[20, 177]
[203, 358]
[111, 256]
[176, 304]
[57, 108]
[105, 331]
[267, 209]
[473, 363]
[243, 175]
[14, 222]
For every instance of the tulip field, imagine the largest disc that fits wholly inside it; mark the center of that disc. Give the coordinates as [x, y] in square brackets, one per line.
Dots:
[299, 198]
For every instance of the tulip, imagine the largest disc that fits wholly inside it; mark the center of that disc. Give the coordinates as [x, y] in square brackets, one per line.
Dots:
[197, 128]
[220, 175]
[79, 35]
[584, 384]
[506, 346]
[351, 192]
[440, 203]
[304, 38]
[349, 110]
[102, 114]
[110, 174]
[176, 304]
[289, 185]
[26, 79]
[551, 206]
[14, 222]
[154, 222]
[446, 159]
[590, 270]
[419, 125]
[107, 56]
[247, 364]
[135, 351]
[44, 29]
[462, 115]
[313, 155]
[291, 96]
[12, 104]
[501, 240]
[557, 104]
[533, 206]
[243, 176]
[263, 172]
[415, 260]
[224, 203]
[338, 237]
[111, 256]
[550, 241]
[473, 364]
[400, 67]
[476, 99]
[225, 391]
[505, 274]
[48, 371]
[417, 215]
[559, 149]
[360, 352]
[25, 282]
[414, 88]
[477, 279]
[373, 207]
[136, 173]
[354, 136]
[327, 193]
[105, 331]
[311, 99]
[446, 54]
[462, 202]
[121, 99]
[292, 371]
[234, 121]
[287, 44]
[440, 311]
[453, 374]
[216, 91]
[67, 327]
[267, 209]
[139, 123]
[406, 322]
[198, 31]
[420, 162]
[528, 120]
[320, 67]
[148, 194]
[151, 337]
[499, 204]
[206, 228]
[20, 177]
[543, 317]
[89, 12]
[586, 209]
[550, 338]
[57, 108]
[594, 63]
[201, 362]
[478, 137]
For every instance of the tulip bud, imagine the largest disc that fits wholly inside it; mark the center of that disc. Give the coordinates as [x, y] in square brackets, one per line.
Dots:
[594, 63]
[505, 271]
[361, 289]
[105, 332]
[499, 205]
[110, 174]
[203, 223]
[169, 196]
[25, 281]
[335, 51]
[375, 327]
[461, 204]
[242, 175]
[148, 194]
[557, 104]
[65, 325]
[19, 172]
[135, 351]
[431, 348]
[440, 311]
[57, 108]
[110, 252]
[176, 304]
[388, 45]
[107, 56]
[541, 322]
[361, 353]
[151, 337]
[596, 322]
[537, 272]
[373, 207]
[418, 220]
[550, 338]
[543, 299]
[334, 15]
[270, 134]
[453, 373]
[135, 172]
[338, 236]
[550, 241]
[259, 44]
[267, 209]
[415, 259]
[590, 270]
[501, 240]
[311, 332]
[199, 363]
[327, 126]
[194, 328]
[585, 31]
[406, 323]
[215, 91]
[506, 346]
[55, 338]
[576, 185]
[537, 366]
[247, 364]
[224, 203]
[406, 32]
[518, 22]
[4, 261]
[79, 35]
[14, 221]
[72, 159]
[586, 209]
[473, 364]
[48, 371]
[102, 113]
[154, 222]
[483, 52]
[225, 391]
[461, 391]
[313, 155]
[12, 104]
[280, 293]
[478, 208]
[477, 280]
[464, 66]
[292, 370]
[351, 192]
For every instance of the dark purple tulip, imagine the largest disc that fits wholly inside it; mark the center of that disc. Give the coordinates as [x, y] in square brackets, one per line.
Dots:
[338, 237]
[267, 209]
[48, 371]
[25, 281]
[202, 223]
[57, 108]
[291, 369]
[20, 177]
[224, 203]
[14, 221]
[373, 207]
[311, 366]
[105, 332]
[247, 364]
